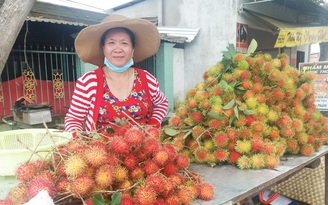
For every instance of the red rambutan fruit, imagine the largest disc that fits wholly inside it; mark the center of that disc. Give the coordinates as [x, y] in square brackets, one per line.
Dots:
[81, 186]
[145, 195]
[18, 194]
[104, 176]
[268, 148]
[63, 185]
[200, 154]
[120, 174]
[192, 103]
[257, 88]
[173, 199]
[196, 117]
[134, 136]
[75, 166]
[287, 132]
[170, 168]
[150, 167]
[119, 146]
[206, 191]
[38, 184]
[137, 173]
[185, 195]
[7, 201]
[182, 161]
[161, 157]
[130, 161]
[26, 171]
[156, 182]
[95, 156]
[150, 145]
[174, 120]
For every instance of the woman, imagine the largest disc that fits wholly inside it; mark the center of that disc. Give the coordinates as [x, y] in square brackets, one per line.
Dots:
[116, 90]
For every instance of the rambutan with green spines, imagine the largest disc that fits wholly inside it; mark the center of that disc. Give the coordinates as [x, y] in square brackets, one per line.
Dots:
[204, 104]
[178, 143]
[198, 131]
[287, 132]
[246, 84]
[275, 75]
[271, 161]
[268, 147]
[251, 103]
[220, 139]
[276, 63]
[257, 88]
[274, 133]
[244, 133]
[248, 94]
[243, 146]
[209, 144]
[244, 162]
[211, 81]
[243, 64]
[272, 116]
[214, 124]
[278, 93]
[262, 109]
[307, 149]
[221, 155]
[201, 155]
[257, 145]
[200, 95]
[284, 121]
[192, 103]
[211, 159]
[232, 133]
[215, 70]
[292, 146]
[257, 161]
[239, 122]
[302, 137]
[257, 126]
[190, 93]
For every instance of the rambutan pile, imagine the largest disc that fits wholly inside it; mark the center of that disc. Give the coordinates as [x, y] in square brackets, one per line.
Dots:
[257, 109]
[133, 167]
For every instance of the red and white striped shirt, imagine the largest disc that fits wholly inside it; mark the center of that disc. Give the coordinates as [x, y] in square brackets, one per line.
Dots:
[83, 111]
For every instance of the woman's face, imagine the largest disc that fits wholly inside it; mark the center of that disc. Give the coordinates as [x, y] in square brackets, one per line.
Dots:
[118, 47]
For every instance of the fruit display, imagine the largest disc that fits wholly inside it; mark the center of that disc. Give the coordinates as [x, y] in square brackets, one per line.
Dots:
[249, 110]
[129, 166]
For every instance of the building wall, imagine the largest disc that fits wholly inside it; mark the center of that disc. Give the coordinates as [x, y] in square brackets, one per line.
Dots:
[216, 20]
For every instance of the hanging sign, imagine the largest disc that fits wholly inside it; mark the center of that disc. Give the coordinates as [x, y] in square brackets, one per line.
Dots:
[321, 82]
[290, 37]
[242, 38]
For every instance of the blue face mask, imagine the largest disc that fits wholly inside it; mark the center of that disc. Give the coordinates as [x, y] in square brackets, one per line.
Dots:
[118, 69]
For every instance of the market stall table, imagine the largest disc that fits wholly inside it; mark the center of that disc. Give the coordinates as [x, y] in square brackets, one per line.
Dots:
[232, 185]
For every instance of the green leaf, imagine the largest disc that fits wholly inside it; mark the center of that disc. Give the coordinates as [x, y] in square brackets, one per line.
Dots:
[233, 84]
[252, 47]
[235, 109]
[229, 105]
[116, 198]
[230, 120]
[239, 91]
[187, 134]
[171, 132]
[227, 54]
[98, 200]
[224, 83]
[215, 115]
[248, 112]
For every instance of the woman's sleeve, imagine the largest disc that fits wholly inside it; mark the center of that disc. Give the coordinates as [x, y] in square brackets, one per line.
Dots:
[159, 100]
[81, 103]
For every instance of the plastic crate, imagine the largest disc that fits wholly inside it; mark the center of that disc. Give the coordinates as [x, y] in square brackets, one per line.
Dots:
[18, 146]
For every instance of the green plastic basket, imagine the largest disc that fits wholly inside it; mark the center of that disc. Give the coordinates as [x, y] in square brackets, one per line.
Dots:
[18, 146]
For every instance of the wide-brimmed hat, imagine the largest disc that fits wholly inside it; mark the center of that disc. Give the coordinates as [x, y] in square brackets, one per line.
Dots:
[147, 38]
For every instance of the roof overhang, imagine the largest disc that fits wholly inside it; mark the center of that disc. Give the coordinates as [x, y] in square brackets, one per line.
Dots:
[177, 35]
[288, 21]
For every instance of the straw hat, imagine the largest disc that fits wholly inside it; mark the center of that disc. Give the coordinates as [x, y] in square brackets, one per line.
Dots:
[87, 42]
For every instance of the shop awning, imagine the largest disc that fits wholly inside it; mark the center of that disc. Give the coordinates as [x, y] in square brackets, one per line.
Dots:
[297, 23]
[290, 35]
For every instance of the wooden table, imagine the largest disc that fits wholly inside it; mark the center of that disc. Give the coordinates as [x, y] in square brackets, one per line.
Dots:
[232, 185]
